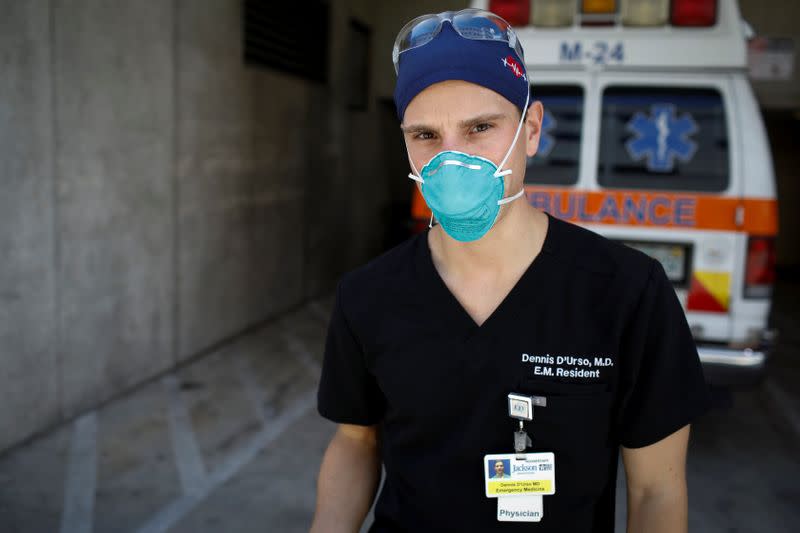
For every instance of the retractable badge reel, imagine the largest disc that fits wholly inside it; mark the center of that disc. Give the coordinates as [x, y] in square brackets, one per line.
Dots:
[521, 407]
[519, 480]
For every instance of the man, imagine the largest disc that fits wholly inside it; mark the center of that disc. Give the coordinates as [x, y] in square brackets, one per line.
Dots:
[500, 471]
[426, 342]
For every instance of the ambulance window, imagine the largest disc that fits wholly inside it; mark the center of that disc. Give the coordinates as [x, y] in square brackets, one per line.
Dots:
[556, 162]
[657, 138]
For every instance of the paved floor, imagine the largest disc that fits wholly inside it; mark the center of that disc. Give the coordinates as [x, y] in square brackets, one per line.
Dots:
[232, 443]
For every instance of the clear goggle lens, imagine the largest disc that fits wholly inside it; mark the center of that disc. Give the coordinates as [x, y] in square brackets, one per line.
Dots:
[474, 24]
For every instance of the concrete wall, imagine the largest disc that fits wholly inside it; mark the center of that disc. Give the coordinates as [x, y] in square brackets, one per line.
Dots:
[776, 18]
[781, 18]
[113, 117]
[29, 384]
[159, 197]
[240, 181]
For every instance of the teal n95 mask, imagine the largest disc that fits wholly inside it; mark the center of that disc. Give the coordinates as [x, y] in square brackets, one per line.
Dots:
[465, 192]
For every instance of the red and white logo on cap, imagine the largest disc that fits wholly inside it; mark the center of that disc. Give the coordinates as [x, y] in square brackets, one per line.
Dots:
[513, 66]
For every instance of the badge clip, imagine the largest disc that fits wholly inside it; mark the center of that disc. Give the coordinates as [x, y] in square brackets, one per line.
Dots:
[520, 407]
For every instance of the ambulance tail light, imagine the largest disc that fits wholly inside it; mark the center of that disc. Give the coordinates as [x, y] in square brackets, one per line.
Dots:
[516, 12]
[760, 269]
[552, 13]
[644, 12]
[699, 13]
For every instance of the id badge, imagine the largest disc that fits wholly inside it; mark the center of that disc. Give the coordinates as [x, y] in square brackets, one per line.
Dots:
[520, 508]
[513, 475]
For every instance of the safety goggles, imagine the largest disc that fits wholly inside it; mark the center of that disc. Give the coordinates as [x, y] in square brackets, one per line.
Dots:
[475, 24]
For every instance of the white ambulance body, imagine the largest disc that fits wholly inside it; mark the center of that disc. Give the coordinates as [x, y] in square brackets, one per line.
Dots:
[652, 136]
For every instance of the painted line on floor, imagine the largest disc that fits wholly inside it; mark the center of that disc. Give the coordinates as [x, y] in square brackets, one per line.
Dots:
[781, 400]
[298, 347]
[79, 490]
[188, 459]
[174, 512]
[244, 372]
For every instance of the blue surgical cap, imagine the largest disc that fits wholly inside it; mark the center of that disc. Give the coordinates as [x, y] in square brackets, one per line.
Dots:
[490, 64]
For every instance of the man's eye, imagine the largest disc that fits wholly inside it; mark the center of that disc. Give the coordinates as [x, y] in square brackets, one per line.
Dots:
[480, 128]
[424, 135]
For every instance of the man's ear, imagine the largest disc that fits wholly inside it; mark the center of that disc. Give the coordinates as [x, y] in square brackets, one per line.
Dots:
[533, 127]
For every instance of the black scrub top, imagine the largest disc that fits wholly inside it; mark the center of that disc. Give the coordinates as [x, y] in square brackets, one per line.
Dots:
[592, 325]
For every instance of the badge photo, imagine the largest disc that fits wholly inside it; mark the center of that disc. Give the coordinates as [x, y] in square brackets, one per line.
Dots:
[509, 474]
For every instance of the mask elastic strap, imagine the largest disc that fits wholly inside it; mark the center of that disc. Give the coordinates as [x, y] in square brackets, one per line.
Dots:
[498, 173]
[414, 175]
[510, 199]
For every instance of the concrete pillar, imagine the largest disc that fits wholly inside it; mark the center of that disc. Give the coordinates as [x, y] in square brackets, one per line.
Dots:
[29, 388]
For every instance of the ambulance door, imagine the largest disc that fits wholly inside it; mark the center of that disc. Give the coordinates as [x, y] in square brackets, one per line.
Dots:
[667, 182]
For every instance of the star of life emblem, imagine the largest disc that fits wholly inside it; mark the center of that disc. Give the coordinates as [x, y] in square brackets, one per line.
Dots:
[661, 138]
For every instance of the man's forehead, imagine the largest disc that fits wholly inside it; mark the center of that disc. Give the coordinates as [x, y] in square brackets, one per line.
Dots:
[455, 100]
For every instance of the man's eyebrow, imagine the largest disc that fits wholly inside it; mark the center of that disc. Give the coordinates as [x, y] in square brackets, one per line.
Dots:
[416, 128]
[488, 117]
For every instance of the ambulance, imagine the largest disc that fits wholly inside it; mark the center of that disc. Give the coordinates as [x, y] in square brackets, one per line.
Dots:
[652, 137]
